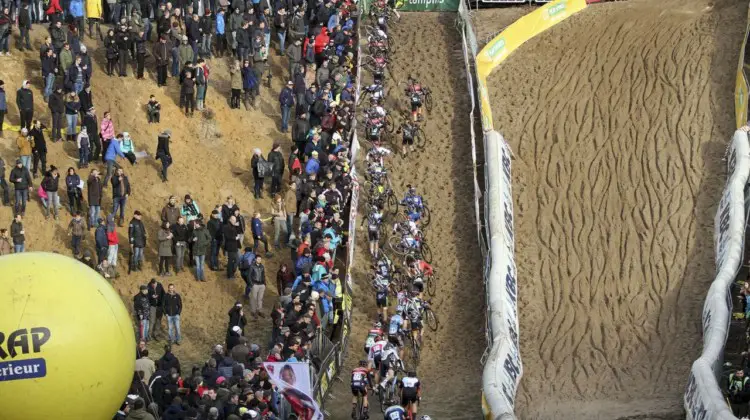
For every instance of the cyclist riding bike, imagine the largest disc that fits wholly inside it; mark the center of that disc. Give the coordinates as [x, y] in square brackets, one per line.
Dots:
[394, 412]
[396, 330]
[413, 202]
[360, 383]
[409, 131]
[375, 356]
[415, 93]
[373, 335]
[411, 392]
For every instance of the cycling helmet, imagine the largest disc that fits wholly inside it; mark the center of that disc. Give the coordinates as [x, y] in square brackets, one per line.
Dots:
[399, 309]
[410, 188]
[362, 363]
[411, 374]
[425, 417]
[377, 325]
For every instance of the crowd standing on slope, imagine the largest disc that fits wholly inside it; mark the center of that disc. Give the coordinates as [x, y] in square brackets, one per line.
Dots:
[310, 186]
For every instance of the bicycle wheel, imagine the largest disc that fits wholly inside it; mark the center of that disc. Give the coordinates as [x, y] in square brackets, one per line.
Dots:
[389, 127]
[414, 352]
[431, 319]
[428, 101]
[392, 203]
[420, 140]
[425, 218]
[382, 398]
[430, 285]
[360, 408]
[426, 253]
[396, 245]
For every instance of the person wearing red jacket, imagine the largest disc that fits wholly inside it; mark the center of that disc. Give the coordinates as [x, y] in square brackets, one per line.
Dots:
[113, 241]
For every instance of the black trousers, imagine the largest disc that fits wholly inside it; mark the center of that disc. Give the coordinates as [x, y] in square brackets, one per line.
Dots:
[164, 264]
[140, 59]
[123, 61]
[161, 75]
[111, 65]
[96, 149]
[2, 118]
[27, 115]
[58, 121]
[188, 99]
[39, 157]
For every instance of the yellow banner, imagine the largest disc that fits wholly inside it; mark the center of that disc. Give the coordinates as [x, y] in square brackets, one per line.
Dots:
[525, 28]
[740, 90]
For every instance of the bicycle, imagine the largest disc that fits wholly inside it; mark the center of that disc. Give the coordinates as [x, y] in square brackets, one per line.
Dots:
[429, 315]
[387, 394]
[430, 284]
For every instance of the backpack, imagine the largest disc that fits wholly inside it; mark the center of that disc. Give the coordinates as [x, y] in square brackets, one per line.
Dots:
[247, 259]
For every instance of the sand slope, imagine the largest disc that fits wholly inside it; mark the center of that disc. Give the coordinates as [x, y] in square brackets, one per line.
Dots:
[618, 119]
[209, 157]
[428, 47]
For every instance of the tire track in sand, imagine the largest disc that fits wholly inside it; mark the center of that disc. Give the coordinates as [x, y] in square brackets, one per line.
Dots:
[618, 128]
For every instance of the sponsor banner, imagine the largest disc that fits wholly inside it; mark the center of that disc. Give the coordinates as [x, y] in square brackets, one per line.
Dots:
[525, 28]
[293, 383]
[703, 398]
[427, 5]
[500, 379]
[741, 88]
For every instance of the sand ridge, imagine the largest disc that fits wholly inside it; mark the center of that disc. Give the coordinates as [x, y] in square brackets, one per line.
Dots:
[618, 118]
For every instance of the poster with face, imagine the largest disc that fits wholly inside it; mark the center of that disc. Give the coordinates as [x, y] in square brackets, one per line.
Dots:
[293, 382]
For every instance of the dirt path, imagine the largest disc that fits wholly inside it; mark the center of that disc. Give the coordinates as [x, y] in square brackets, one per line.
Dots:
[428, 48]
[618, 119]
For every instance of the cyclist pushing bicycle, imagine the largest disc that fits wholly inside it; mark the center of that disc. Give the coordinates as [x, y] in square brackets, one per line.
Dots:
[411, 393]
[360, 383]
[416, 95]
[417, 269]
[413, 202]
[408, 130]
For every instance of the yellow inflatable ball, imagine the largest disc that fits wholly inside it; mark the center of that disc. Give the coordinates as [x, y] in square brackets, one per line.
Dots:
[67, 346]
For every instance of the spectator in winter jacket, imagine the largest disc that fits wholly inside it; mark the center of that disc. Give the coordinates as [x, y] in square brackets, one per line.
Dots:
[231, 235]
[156, 307]
[75, 230]
[5, 30]
[286, 101]
[190, 210]
[57, 108]
[165, 248]
[92, 127]
[50, 185]
[5, 247]
[113, 151]
[154, 109]
[313, 164]
[258, 281]
[259, 235]
[75, 193]
[277, 159]
[25, 103]
[94, 190]
[101, 242]
[24, 26]
[201, 245]
[171, 211]
[21, 180]
[173, 310]
[3, 106]
[76, 12]
[120, 193]
[258, 166]
[137, 239]
[249, 84]
[18, 234]
[141, 310]
[39, 148]
[163, 154]
[113, 241]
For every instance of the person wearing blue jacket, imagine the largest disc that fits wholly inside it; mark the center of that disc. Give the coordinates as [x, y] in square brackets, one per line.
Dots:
[286, 101]
[76, 12]
[258, 235]
[313, 165]
[102, 245]
[113, 151]
[249, 84]
[221, 39]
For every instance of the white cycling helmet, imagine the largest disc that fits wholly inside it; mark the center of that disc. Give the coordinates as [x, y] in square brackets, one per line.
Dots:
[425, 417]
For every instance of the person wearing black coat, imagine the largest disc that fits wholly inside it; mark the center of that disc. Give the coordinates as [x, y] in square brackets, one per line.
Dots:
[187, 93]
[87, 101]
[214, 227]
[39, 150]
[21, 179]
[24, 25]
[4, 184]
[163, 154]
[277, 159]
[169, 361]
[91, 122]
[137, 239]
[299, 132]
[25, 102]
[122, 40]
[140, 54]
[257, 175]
[237, 318]
[112, 52]
[101, 242]
[231, 235]
[57, 108]
[156, 311]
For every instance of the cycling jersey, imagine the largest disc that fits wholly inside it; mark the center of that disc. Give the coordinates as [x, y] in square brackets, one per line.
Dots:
[394, 328]
[408, 131]
[374, 220]
[376, 352]
[371, 335]
[359, 377]
[409, 390]
[394, 412]
[383, 268]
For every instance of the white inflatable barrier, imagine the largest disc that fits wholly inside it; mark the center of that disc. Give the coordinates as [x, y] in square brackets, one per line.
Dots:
[503, 368]
[703, 397]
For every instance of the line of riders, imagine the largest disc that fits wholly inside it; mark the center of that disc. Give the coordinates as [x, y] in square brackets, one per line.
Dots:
[384, 372]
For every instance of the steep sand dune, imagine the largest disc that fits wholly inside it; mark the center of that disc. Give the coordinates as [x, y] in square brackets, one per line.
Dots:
[618, 119]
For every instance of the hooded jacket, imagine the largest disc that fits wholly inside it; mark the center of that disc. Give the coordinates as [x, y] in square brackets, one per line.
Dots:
[137, 233]
[25, 99]
[202, 241]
